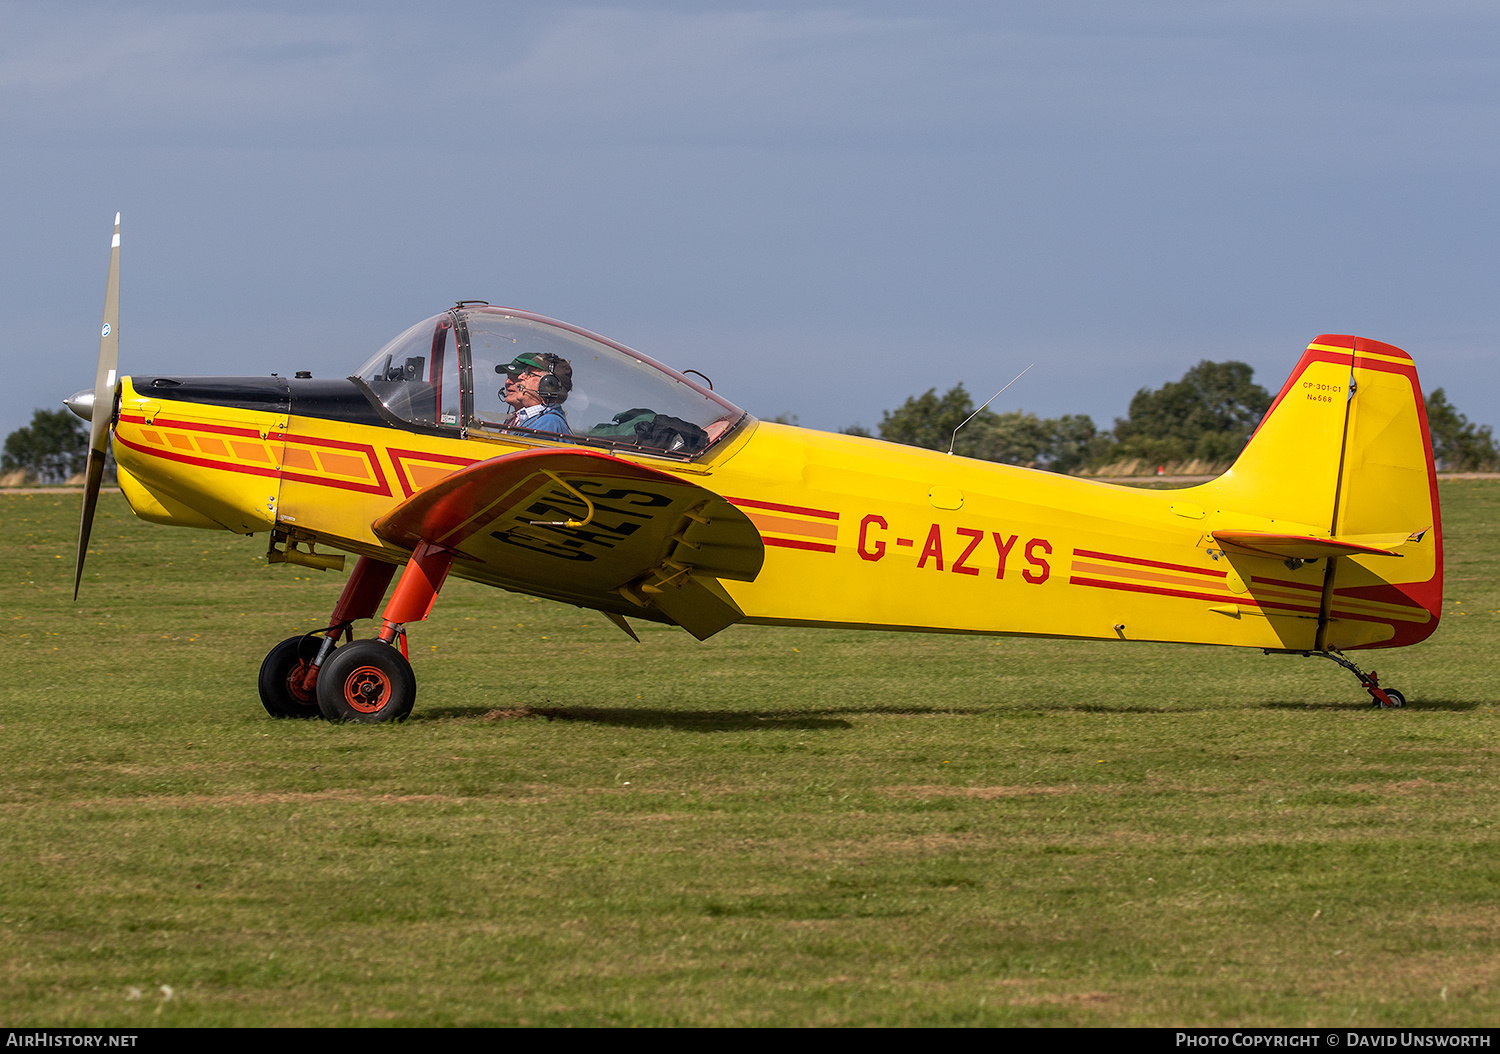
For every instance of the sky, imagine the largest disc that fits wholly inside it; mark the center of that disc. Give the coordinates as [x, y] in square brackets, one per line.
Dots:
[826, 208]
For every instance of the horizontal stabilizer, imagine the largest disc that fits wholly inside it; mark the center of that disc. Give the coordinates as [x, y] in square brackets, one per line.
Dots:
[1305, 546]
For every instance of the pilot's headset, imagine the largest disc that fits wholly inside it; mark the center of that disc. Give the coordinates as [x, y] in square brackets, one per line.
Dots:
[554, 386]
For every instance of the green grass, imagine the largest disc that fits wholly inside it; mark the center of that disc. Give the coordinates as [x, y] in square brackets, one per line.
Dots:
[773, 827]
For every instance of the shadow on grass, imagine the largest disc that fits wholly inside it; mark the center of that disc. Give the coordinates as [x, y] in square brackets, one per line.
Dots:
[1133, 708]
[818, 718]
[833, 718]
[1418, 704]
[689, 720]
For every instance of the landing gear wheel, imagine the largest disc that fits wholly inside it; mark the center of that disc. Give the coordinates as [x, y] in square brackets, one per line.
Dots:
[1396, 698]
[367, 681]
[281, 676]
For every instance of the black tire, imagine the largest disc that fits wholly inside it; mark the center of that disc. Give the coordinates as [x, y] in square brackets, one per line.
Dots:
[1396, 698]
[366, 681]
[281, 678]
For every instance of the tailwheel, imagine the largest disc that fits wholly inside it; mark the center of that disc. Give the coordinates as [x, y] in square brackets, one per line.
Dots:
[1380, 698]
[283, 688]
[366, 681]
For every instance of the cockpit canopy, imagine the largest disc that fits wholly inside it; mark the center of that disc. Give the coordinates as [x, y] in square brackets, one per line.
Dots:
[447, 374]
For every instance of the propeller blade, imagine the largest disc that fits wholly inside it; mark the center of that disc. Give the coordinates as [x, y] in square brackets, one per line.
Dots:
[102, 408]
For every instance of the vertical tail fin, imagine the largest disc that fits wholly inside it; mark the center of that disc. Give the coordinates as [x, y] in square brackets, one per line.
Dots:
[1345, 453]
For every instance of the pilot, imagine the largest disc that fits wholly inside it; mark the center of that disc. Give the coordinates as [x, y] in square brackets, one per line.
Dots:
[536, 385]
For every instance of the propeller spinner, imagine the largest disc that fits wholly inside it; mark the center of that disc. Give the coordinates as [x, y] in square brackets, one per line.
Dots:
[98, 405]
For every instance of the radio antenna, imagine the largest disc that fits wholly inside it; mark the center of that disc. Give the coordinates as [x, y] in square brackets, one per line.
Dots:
[987, 402]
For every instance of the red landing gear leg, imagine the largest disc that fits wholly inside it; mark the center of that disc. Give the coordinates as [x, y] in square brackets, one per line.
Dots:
[417, 591]
[369, 680]
[289, 675]
[361, 596]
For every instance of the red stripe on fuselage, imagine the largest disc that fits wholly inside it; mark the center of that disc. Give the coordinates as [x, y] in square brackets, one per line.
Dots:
[193, 426]
[1092, 555]
[399, 458]
[1231, 598]
[380, 488]
[792, 543]
[773, 507]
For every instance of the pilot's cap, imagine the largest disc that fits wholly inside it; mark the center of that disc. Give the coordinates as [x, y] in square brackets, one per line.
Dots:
[556, 367]
[527, 360]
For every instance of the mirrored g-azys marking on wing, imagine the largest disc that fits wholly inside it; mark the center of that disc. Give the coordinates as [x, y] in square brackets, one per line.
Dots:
[543, 526]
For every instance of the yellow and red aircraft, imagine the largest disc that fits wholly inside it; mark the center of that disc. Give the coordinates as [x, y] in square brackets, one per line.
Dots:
[641, 493]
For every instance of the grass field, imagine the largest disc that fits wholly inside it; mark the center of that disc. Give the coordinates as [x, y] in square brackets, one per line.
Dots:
[775, 827]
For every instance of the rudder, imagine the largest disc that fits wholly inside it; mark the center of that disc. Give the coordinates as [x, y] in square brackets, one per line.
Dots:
[1345, 453]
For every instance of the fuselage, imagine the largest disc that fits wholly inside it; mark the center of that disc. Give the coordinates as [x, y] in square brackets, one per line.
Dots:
[857, 532]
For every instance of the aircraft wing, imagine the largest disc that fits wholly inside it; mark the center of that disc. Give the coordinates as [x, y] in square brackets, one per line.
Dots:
[593, 529]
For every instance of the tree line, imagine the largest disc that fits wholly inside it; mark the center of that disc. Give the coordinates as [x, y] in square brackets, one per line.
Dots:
[54, 447]
[1207, 415]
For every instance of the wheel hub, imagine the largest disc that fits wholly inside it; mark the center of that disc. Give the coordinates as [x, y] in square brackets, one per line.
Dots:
[296, 684]
[367, 689]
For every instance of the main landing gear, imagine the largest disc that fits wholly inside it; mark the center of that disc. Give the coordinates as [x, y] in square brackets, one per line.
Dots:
[1383, 698]
[366, 681]
[282, 689]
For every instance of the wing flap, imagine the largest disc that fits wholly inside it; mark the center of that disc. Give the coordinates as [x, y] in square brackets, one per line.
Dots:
[696, 603]
[720, 540]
